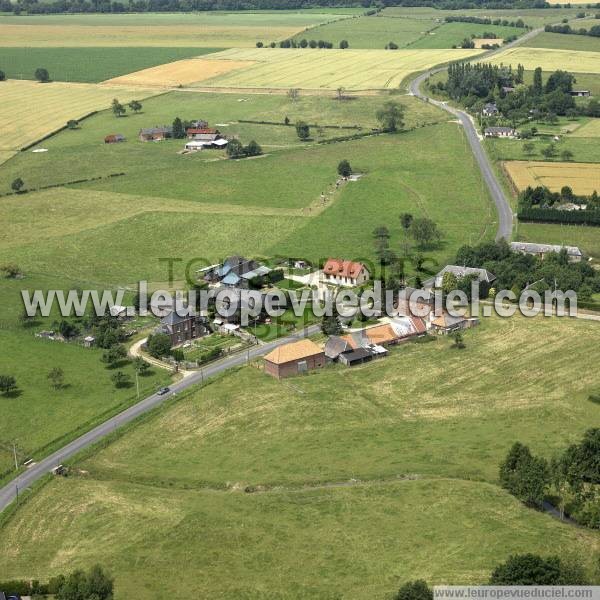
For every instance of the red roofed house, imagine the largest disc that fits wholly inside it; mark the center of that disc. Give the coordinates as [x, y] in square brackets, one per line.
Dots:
[195, 133]
[344, 272]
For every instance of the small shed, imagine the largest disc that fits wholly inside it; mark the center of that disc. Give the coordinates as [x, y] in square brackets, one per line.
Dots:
[355, 357]
[114, 138]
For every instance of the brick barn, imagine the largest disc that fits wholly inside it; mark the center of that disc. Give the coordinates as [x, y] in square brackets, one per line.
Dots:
[294, 359]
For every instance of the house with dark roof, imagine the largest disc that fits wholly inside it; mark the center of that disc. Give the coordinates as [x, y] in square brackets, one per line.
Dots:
[482, 275]
[500, 132]
[574, 254]
[344, 273]
[183, 328]
[294, 359]
[356, 357]
[155, 134]
[335, 346]
[490, 110]
[235, 272]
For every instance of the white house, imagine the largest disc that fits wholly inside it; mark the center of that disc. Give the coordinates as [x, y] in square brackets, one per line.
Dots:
[344, 272]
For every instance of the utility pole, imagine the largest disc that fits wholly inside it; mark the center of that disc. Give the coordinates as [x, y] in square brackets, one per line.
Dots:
[15, 455]
[137, 384]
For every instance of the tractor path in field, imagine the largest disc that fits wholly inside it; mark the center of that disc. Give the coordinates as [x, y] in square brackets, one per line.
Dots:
[503, 208]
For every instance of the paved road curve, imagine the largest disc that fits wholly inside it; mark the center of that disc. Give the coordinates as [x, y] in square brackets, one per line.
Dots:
[9, 492]
[505, 214]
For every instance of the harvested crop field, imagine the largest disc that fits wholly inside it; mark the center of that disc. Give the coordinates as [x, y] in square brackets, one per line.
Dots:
[328, 69]
[181, 72]
[200, 30]
[583, 178]
[30, 110]
[549, 59]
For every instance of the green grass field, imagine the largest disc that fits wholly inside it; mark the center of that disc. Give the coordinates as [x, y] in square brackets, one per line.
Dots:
[371, 476]
[73, 155]
[370, 32]
[531, 17]
[89, 65]
[565, 42]
[40, 417]
[584, 149]
[229, 215]
[451, 34]
[586, 238]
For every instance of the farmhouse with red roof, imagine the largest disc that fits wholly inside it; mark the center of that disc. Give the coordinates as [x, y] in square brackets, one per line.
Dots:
[344, 272]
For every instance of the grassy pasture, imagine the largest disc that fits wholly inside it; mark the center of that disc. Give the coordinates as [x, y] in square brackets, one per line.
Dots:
[450, 34]
[168, 492]
[370, 32]
[88, 65]
[586, 238]
[583, 178]
[228, 216]
[23, 122]
[532, 17]
[329, 69]
[82, 153]
[39, 416]
[271, 545]
[549, 59]
[426, 410]
[559, 41]
[584, 149]
[201, 30]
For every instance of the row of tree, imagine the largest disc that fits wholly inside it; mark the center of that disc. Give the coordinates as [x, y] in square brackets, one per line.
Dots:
[304, 43]
[570, 479]
[593, 31]
[485, 21]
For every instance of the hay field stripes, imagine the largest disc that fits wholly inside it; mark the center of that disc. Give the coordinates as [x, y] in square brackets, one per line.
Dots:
[591, 129]
[328, 69]
[30, 110]
[583, 178]
[181, 72]
[549, 59]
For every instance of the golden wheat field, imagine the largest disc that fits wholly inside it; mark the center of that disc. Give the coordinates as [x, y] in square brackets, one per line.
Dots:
[185, 30]
[31, 110]
[583, 178]
[328, 69]
[549, 59]
[180, 72]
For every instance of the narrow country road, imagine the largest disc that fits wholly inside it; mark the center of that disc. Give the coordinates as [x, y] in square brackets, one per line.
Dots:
[505, 214]
[9, 492]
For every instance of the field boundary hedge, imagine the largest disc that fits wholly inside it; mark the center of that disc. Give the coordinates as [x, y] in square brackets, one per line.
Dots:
[551, 215]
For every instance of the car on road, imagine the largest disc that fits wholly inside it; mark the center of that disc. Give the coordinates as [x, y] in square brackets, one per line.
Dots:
[163, 391]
